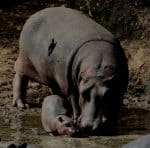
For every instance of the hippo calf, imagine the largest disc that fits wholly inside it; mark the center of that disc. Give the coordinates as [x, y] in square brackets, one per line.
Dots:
[78, 59]
[55, 118]
[142, 142]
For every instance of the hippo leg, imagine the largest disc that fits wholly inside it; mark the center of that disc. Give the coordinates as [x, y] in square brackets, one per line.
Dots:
[24, 72]
[75, 108]
[19, 90]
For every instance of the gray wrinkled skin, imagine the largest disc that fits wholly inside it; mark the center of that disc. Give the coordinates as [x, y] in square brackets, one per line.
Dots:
[142, 142]
[78, 59]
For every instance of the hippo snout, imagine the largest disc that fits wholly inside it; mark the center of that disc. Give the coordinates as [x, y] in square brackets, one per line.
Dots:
[92, 125]
[86, 126]
[71, 132]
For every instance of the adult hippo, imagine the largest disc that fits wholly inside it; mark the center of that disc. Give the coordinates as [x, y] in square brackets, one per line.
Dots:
[78, 59]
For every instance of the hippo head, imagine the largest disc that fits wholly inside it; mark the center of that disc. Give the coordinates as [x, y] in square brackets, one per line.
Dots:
[99, 101]
[65, 125]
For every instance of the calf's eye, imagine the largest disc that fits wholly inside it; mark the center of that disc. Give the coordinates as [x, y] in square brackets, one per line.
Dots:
[68, 125]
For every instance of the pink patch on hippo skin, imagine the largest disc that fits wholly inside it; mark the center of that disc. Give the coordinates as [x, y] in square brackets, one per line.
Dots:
[88, 72]
[109, 72]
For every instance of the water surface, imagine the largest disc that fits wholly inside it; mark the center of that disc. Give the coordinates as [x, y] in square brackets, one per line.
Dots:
[26, 126]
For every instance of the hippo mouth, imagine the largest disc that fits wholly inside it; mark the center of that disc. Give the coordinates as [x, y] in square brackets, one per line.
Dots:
[102, 129]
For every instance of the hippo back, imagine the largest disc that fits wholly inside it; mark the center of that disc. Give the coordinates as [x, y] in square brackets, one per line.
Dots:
[69, 28]
[143, 142]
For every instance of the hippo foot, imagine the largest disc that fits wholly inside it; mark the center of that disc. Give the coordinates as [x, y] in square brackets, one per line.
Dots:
[18, 103]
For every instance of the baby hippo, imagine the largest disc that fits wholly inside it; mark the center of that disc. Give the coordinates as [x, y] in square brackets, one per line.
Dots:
[55, 118]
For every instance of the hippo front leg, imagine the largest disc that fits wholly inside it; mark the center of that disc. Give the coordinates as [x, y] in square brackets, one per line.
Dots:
[19, 91]
[75, 108]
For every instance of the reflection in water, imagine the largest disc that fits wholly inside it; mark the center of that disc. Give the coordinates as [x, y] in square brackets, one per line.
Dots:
[26, 127]
[134, 121]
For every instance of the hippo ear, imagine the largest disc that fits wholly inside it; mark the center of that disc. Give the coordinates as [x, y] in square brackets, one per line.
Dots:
[60, 119]
[107, 73]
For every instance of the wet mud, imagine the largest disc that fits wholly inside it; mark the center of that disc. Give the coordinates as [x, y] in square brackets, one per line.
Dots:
[19, 126]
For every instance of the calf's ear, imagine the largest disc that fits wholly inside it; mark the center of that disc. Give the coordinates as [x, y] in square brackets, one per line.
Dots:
[60, 119]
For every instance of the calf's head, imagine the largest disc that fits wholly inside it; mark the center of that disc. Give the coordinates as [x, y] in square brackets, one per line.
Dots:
[99, 102]
[65, 125]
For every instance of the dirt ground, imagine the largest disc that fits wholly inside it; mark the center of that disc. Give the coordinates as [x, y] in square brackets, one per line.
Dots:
[137, 51]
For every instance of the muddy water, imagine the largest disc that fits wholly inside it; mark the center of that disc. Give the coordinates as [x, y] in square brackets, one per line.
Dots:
[25, 126]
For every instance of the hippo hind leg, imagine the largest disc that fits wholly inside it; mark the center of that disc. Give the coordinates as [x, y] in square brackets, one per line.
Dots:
[20, 82]
[19, 90]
